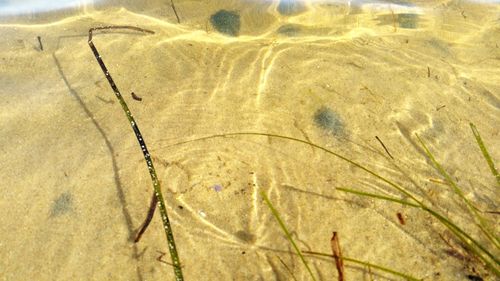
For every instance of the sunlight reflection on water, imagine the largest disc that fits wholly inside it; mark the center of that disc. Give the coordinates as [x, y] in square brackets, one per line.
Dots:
[33, 6]
[19, 7]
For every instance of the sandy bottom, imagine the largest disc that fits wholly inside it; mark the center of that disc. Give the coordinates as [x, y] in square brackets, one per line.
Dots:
[74, 187]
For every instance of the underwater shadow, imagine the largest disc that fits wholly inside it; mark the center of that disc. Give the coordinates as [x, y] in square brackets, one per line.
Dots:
[118, 184]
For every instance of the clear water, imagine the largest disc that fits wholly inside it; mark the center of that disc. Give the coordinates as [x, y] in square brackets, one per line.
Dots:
[74, 188]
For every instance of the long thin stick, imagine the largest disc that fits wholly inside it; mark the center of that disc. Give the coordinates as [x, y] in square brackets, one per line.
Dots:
[156, 183]
[383, 145]
[149, 217]
[337, 255]
[40, 42]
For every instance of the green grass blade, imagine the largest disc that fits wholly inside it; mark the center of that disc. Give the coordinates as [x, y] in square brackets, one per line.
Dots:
[471, 243]
[147, 157]
[475, 247]
[490, 260]
[387, 198]
[486, 155]
[481, 223]
[381, 268]
[287, 233]
[394, 185]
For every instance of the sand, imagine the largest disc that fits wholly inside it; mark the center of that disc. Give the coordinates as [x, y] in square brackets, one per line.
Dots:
[74, 187]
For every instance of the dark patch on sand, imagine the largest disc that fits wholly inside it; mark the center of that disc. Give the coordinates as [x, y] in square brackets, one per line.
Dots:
[226, 22]
[330, 121]
[62, 205]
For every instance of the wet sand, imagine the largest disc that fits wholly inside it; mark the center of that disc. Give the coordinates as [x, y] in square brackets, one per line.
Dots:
[75, 187]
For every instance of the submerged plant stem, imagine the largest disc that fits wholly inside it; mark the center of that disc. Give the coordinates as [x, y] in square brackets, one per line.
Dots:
[149, 162]
[486, 155]
[388, 270]
[387, 198]
[287, 233]
[470, 242]
[481, 222]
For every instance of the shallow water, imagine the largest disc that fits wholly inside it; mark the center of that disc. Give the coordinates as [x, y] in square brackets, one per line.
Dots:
[339, 74]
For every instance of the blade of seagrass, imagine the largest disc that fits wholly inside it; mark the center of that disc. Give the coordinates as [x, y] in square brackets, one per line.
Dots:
[149, 162]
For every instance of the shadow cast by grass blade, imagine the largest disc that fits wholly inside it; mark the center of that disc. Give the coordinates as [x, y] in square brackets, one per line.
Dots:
[119, 186]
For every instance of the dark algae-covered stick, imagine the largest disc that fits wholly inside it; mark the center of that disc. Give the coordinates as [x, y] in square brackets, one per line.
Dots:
[149, 162]
[40, 42]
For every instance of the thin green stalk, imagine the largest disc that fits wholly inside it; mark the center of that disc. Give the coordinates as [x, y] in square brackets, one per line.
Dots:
[387, 198]
[470, 242]
[398, 187]
[149, 162]
[287, 233]
[486, 155]
[381, 268]
[481, 222]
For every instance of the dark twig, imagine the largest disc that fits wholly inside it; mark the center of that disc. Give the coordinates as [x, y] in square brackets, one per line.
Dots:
[385, 148]
[175, 11]
[40, 42]
[401, 218]
[160, 257]
[287, 268]
[135, 97]
[337, 255]
[440, 107]
[149, 217]
[156, 183]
